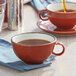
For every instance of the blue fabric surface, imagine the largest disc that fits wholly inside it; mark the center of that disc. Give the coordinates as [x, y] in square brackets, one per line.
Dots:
[9, 59]
[41, 4]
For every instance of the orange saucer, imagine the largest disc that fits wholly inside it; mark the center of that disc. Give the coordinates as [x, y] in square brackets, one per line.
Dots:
[49, 27]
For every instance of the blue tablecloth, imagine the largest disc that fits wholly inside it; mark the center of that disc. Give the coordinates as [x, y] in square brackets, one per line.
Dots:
[41, 4]
[9, 59]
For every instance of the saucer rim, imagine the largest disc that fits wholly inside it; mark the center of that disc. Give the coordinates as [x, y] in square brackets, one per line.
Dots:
[55, 32]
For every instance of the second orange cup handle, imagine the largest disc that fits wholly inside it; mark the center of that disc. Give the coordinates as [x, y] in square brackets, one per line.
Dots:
[40, 15]
[58, 54]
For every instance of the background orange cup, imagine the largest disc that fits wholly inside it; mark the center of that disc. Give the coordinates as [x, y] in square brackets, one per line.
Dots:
[63, 20]
[35, 54]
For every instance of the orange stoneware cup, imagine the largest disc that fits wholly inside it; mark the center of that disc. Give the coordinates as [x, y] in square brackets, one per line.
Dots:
[62, 20]
[35, 54]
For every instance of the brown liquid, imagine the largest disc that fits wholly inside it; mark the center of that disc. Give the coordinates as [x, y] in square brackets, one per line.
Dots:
[67, 10]
[33, 42]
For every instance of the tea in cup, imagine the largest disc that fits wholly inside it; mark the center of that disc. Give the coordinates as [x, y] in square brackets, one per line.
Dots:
[34, 48]
[56, 15]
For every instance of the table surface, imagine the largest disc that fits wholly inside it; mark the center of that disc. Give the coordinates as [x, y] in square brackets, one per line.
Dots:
[64, 65]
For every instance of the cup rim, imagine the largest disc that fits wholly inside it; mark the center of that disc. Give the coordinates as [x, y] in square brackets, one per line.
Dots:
[61, 12]
[3, 3]
[55, 39]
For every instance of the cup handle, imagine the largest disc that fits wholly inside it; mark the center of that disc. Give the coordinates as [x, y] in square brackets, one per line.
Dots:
[58, 54]
[40, 15]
